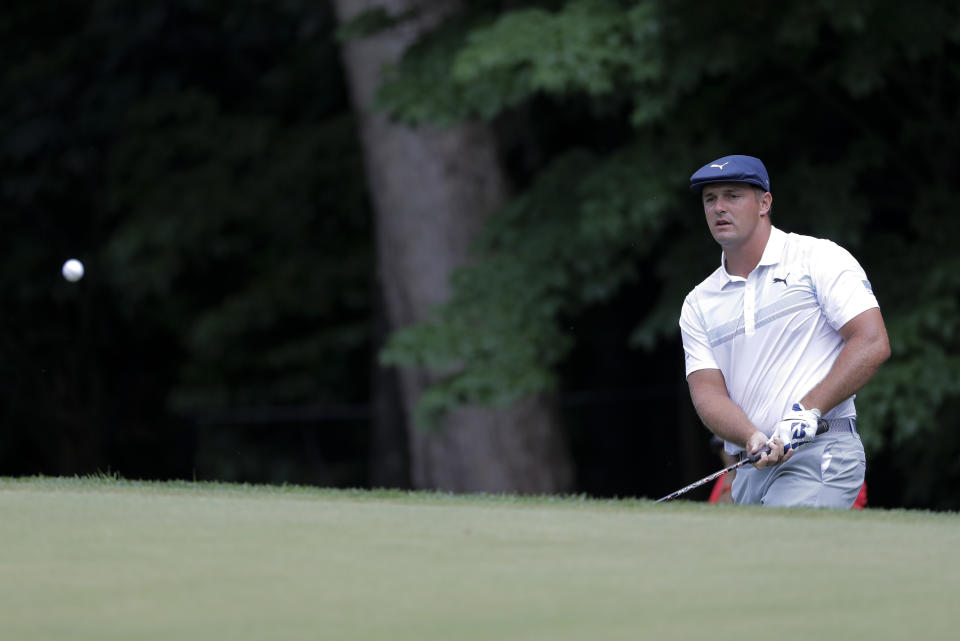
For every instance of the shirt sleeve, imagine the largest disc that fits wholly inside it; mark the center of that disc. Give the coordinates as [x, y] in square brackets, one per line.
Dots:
[842, 287]
[696, 344]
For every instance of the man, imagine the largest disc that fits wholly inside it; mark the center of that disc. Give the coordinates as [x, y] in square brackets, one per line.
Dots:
[777, 342]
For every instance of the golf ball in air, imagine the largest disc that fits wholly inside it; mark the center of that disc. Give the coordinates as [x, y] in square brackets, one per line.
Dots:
[72, 270]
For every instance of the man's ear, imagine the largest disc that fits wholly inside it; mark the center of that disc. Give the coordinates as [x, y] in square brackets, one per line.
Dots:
[766, 203]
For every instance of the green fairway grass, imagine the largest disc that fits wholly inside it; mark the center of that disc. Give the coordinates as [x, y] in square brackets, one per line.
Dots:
[104, 559]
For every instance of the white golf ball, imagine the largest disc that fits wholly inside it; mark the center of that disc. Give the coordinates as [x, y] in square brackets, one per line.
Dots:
[72, 270]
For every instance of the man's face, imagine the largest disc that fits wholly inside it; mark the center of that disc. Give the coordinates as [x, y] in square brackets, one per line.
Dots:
[733, 212]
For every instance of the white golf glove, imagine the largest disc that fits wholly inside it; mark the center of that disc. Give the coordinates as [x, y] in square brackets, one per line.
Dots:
[799, 426]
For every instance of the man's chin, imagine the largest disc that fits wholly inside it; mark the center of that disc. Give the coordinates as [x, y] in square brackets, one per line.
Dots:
[724, 236]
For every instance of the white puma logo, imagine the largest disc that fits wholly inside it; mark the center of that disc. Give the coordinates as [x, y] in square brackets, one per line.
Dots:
[720, 167]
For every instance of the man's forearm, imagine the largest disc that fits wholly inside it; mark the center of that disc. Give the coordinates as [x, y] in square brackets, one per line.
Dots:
[858, 361]
[724, 418]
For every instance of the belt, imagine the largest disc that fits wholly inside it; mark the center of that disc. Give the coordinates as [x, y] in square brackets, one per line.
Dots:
[842, 425]
[848, 425]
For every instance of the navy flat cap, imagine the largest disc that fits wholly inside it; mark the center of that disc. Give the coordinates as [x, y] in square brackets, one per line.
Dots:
[731, 169]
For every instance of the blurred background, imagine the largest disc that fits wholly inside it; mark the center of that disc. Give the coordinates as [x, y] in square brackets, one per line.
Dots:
[442, 244]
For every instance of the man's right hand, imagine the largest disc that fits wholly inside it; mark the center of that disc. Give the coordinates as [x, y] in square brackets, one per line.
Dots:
[758, 442]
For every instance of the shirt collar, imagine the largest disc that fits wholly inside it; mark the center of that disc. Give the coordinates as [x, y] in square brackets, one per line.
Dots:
[771, 253]
[774, 249]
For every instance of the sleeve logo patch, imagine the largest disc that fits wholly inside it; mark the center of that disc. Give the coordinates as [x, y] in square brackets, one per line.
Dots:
[869, 287]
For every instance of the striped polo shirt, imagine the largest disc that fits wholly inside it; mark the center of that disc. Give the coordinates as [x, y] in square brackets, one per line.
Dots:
[773, 335]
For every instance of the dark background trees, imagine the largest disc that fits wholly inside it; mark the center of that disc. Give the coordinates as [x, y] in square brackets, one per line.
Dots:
[433, 190]
[205, 161]
[200, 158]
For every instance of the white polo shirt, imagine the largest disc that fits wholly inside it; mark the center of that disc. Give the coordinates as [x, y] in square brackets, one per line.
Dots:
[773, 335]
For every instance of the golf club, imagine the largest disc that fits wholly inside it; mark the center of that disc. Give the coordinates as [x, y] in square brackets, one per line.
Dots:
[821, 428]
[718, 474]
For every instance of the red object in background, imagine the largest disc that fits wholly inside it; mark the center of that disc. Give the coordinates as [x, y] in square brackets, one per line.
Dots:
[721, 490]
[861, 501]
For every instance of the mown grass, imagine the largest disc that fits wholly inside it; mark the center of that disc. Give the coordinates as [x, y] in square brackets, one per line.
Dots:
[103, 558]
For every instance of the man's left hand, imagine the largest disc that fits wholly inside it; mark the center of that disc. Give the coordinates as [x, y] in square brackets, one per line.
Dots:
[799, 426]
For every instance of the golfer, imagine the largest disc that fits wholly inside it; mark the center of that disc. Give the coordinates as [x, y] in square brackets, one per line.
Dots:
[777, 342]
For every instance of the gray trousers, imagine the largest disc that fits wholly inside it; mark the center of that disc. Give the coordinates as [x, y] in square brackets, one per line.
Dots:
[825, 473]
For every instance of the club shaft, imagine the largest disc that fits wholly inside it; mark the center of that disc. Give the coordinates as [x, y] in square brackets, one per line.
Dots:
[718, 474]
[704, 481]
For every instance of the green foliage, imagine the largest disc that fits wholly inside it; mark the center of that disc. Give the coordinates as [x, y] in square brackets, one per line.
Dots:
[477, 66]
[588, 46]
[853, 105]
[419, 89]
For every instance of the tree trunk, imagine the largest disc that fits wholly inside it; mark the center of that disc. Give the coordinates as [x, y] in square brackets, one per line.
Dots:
[431, 191]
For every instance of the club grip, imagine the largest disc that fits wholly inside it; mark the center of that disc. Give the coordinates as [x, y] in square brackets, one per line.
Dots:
[822, 426]
[766, 450]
